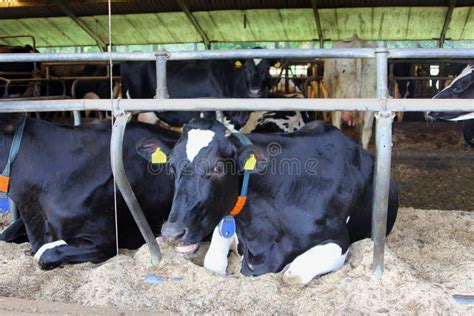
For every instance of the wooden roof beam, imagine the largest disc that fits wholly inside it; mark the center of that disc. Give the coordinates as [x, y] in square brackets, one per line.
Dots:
[447, 20]
[62, 4]
[184, 6]
[317, 21]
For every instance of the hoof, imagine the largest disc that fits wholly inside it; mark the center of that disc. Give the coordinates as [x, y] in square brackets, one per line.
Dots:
[293, 279]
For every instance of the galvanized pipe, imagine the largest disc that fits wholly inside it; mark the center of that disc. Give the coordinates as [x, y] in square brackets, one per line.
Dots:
[116, 155]
[209, 104]
[77, 118]
[245, 53]
[161, 87]
[431, 53]
[186, 55]
[381, 182]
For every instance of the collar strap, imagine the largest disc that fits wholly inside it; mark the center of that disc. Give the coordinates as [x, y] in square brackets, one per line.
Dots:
[242, 198]
[167, 126]
[15, 147]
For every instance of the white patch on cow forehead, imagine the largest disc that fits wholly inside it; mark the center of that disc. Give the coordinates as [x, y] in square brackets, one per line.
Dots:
[47, 246]
[257, 61]
[197, 140]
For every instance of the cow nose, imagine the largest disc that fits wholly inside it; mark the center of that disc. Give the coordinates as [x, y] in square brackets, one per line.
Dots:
[254, 93]
[172, 231]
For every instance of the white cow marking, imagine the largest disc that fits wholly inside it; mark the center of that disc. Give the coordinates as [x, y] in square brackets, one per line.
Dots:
[467, 116]
[257, 61]
[197, 140]
[316, 261]
[216, 256]
[347, 219]
[47, 246]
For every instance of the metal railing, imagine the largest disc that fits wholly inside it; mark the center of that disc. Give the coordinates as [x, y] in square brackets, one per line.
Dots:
[380, 104]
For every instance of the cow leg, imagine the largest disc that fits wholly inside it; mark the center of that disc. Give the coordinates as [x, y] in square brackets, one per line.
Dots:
[58, 252]
[216, 256]
[336, 119]
[366, 134]
[15, 232]
[316, 261]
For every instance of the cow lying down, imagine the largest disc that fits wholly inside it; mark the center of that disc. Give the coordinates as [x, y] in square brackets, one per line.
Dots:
[309, 197]
[62, 183]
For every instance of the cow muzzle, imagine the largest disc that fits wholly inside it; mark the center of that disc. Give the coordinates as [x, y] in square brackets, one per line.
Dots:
[175, 235]
[255, 93]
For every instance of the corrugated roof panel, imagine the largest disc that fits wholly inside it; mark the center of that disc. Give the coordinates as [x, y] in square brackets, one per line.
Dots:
[462, 24]
[397, 23]
[47, 31]
[148, 28]
[258, 25]
[383, 23]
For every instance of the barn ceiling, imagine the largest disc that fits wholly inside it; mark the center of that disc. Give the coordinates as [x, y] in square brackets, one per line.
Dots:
[84, 23]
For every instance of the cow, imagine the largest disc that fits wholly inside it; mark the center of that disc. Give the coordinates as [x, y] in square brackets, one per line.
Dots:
[462, 87]
[352, 78]
[308, 198]
[63, 187]
[11, 71]
[198, 79]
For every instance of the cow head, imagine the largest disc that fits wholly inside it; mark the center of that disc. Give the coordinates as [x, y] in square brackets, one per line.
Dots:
[207, 162]
[257, 72]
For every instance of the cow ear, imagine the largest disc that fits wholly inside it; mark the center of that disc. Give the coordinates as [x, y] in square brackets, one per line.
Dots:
[251, 159]
[153, 150]
[9, 122]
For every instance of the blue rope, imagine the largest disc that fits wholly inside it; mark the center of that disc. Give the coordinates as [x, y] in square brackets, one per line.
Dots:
[15, 147]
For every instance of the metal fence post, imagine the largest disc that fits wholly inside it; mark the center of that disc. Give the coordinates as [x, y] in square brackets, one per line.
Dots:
[116, 155]
[161, 88]
[383, 148]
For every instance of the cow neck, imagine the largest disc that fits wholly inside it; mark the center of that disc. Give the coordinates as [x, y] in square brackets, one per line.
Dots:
[5, 176]
[242, 198]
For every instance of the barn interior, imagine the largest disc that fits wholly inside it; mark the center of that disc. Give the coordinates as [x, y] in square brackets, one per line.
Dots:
[431, 161]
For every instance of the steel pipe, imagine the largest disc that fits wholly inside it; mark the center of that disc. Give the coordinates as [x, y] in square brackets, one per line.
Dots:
[116, 151]
[186, 55]
[381, 182]
[207, 104]
[245, 53]
[161, 87]
[431, 53]
[383, 157]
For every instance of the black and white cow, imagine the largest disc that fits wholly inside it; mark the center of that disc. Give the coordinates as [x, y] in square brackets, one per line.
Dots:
[309, 197]
[462, 87]
[199, 79]
[212, 79]
[62, 184]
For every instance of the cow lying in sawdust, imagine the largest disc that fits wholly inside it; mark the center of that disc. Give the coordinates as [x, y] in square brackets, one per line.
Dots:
[302, 198]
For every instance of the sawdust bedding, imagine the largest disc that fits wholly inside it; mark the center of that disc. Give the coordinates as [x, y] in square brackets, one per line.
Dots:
[429, 257]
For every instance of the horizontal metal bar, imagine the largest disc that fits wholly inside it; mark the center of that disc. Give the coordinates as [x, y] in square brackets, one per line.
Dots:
[184, 55]
[274, 104]
[423, 78]
[431, 53]
[246, 53]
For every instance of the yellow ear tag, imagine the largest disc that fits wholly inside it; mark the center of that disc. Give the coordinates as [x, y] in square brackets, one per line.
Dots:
[158, 156]
[250, 163]
[238, 64]
[277, 65]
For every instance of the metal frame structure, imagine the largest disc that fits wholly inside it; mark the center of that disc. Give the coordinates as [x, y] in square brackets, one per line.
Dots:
[380, 104]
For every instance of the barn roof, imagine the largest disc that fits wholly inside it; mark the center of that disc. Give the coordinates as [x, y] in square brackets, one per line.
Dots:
[85, 22]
